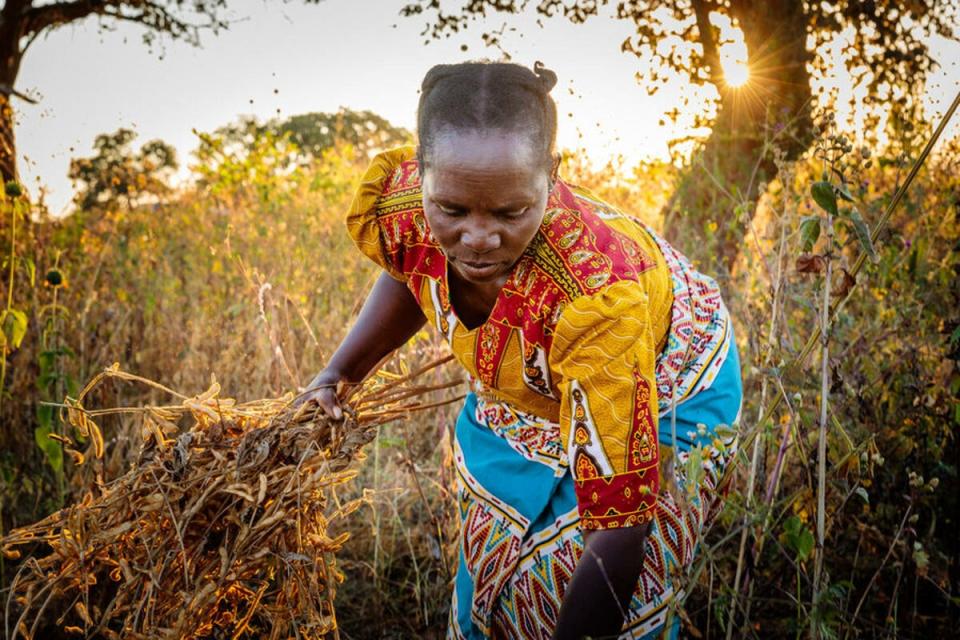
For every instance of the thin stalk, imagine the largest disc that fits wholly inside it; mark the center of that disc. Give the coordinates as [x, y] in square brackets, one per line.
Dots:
[883, 563]
[58, 391]
[822, 442]
[13, 270]
[376, 524]
[755, 454]
[775, 311]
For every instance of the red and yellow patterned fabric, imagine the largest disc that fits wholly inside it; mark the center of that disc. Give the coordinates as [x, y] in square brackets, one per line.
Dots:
[572, 337]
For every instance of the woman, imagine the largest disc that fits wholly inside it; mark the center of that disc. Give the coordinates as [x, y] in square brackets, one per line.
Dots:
[596, 354]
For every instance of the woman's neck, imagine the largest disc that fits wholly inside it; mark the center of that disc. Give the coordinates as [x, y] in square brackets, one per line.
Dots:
[473, 302]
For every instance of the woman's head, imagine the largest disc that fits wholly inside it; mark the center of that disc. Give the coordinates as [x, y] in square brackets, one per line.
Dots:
[487, 134]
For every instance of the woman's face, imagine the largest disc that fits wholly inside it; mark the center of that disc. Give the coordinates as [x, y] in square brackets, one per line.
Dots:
[484, 196]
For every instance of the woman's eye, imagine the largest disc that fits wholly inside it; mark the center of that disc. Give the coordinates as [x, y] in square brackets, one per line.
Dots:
[517, 213]
[448, 211]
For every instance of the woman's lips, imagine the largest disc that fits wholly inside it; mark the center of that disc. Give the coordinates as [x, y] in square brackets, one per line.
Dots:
[478, 270]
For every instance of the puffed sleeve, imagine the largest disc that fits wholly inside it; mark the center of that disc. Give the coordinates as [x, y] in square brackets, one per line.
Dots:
[367, 222]
[604, 352]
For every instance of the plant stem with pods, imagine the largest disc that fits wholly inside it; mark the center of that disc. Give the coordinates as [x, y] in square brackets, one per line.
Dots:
[822, 427]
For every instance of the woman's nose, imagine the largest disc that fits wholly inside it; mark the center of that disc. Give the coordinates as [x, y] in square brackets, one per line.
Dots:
[480, 238]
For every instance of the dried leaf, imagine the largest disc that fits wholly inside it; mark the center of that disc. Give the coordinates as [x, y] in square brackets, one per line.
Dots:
[811, 263]
[843, 284]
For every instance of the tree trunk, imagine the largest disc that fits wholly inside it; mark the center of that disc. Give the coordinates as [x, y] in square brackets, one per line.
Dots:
[10, 56]
[8, 149]
[734, 160]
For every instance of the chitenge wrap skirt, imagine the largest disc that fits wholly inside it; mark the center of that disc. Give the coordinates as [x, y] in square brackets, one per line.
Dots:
[520, 540]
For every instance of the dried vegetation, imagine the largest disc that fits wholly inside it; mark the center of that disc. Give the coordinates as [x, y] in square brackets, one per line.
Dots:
[224, 529]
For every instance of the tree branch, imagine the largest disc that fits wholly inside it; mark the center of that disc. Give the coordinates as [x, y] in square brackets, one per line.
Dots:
[154, 15]
[13, 8]
[8, 91]
[157, 18]
[37, 19]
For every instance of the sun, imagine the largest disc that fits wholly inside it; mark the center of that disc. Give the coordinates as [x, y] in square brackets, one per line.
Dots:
[736, 73]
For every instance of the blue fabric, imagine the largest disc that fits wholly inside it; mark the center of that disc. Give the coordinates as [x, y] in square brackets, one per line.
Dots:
[524, 485]
[716, 405]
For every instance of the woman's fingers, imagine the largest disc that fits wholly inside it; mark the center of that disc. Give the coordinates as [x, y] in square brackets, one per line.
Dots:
[323, 391]
[326, 398]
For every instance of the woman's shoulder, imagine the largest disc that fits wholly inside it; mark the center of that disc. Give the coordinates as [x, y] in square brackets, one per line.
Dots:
[386, 214]
[393, 176]
[592, 245]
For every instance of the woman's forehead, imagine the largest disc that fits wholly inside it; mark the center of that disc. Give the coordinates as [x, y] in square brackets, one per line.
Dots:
[483, 152]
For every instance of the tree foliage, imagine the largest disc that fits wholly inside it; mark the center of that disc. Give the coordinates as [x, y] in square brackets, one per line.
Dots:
[679, 42]
[888, 47]
[117, 172]
[314, 133]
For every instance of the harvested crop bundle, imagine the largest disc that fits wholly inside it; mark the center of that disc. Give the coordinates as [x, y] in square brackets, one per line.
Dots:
[222, 530]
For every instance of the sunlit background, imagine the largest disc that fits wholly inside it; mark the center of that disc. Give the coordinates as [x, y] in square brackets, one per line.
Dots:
[289, 58]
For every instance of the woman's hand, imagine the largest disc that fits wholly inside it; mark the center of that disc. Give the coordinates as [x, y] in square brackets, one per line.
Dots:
[389, 317]
[323, 390]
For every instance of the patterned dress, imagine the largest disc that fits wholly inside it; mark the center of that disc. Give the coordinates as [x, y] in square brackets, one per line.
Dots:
[603, 349]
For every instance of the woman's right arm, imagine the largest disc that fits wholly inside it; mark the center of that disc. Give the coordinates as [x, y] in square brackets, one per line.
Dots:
[390, 316]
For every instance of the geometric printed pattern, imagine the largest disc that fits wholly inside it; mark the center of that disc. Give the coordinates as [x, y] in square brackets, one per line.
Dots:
[528, 435]
[697, 342]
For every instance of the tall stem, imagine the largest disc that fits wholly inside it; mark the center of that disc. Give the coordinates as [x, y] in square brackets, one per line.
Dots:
[13, 269]
[822, 443]
[776, 284]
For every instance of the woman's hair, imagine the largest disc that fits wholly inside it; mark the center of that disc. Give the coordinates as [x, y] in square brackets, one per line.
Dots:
[478, 96]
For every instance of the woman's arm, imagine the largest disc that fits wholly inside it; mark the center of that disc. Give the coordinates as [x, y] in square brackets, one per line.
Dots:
[389, 317]
[599, 592]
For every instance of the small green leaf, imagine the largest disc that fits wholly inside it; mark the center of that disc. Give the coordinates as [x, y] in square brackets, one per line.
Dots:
[726, 431]
[792, 525]
[14, 326]
[922, 559]
[955, 336]
[45, 416]
[809, 232]
[51, 448]
[863, 234]
[798, 537]
[863, 494]
[805, 544]
[31, 270]
[913, 260]
[825, 196]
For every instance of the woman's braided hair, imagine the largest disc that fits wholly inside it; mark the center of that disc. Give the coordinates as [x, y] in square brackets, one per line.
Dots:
[478, 96]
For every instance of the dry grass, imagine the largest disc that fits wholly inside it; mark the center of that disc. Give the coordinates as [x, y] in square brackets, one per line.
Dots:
[222, 529]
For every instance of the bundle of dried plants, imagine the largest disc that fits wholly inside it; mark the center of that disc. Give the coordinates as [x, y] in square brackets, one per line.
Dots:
[219, 530]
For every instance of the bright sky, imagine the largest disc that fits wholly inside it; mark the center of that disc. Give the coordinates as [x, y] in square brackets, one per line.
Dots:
[289, 58]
